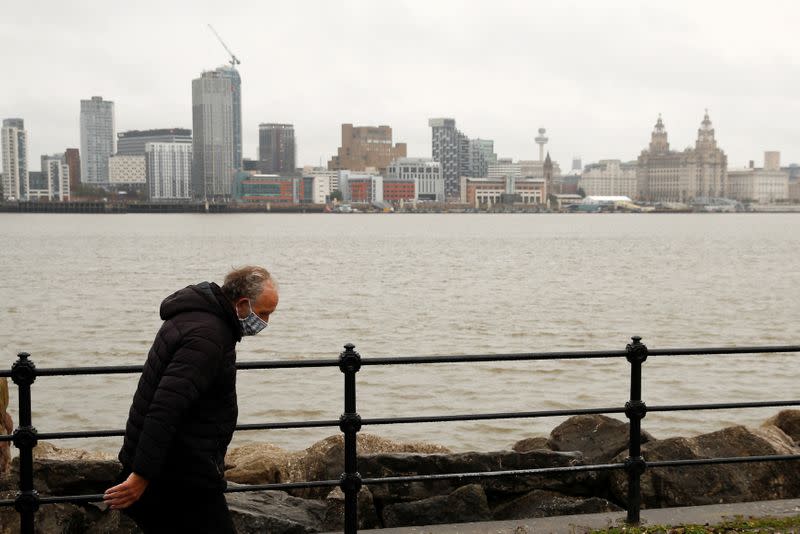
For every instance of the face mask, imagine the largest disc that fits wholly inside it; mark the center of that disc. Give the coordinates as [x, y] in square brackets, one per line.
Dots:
[252, 324]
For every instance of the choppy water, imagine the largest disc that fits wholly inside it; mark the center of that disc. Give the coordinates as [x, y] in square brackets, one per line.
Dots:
[85, 290]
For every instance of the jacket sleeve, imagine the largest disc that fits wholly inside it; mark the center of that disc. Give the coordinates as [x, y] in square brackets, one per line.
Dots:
[188, 375]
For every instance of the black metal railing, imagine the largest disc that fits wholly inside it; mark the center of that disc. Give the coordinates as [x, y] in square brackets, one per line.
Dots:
[25, 437]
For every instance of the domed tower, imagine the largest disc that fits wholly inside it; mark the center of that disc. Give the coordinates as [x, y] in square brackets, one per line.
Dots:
[705, 135]
[541, 140]
[658, 140]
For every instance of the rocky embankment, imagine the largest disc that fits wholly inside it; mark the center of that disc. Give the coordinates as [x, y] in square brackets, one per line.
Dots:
[578, 441]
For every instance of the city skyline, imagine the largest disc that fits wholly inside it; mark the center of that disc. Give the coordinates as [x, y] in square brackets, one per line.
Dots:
[596, 78]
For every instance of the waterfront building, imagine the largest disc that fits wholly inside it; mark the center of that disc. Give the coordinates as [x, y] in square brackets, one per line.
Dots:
[217, 132]
[126, 170]
[72, 156]
[133, 142]
[323, 176]
[168, 167]
[424, 173]
[450, 147]
[764, 186]
[366, 146]
[503, 168]
[609, 177]
[481, 155]
[37, 186]
[276, 148]
[520, 169]
[98, 140]
[317, 188]
[486, 192]
[664, 175]
[268, 188]
[55, 176]
[361, 187]
[14, 144]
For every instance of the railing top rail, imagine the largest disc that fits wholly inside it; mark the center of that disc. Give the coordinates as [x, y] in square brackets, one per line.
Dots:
[432, 359]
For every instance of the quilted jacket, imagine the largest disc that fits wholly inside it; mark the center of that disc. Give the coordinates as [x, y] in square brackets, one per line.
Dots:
[184, 410]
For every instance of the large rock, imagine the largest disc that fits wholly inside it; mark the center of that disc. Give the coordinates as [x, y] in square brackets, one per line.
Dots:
[262, 463]
[334, 514]
[530, 444]
[6, 427]
[543, 503]
[62, 471]
[275, 512]
[789, 422]
[383, 465]
[69, 519]
[465, 504]
[598, 437]
[713, 484]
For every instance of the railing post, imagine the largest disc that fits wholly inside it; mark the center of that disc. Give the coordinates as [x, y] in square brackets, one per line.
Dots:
[635, 410]
[23, 373]
[350, 424]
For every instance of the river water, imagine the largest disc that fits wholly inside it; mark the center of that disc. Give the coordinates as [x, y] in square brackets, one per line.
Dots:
[85, 290]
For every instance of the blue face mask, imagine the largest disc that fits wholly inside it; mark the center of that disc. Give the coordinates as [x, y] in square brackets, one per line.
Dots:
[252, 324]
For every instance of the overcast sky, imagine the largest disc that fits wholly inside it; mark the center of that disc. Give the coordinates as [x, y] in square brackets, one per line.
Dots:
[594, 73]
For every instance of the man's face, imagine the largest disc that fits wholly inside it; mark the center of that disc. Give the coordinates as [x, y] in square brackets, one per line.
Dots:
[263, 306]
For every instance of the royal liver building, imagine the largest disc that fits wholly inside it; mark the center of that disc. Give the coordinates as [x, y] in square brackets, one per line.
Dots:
[664, 175]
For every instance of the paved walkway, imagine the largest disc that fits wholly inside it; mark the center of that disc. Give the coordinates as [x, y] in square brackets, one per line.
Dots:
[576, 524]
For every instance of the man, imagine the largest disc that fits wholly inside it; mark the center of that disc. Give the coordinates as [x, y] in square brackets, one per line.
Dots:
[184, 410]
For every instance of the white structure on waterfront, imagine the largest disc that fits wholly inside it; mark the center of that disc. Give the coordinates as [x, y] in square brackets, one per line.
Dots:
[15, 159]
[323, 175]
[609, 177]
[98, 139]
[217, 132]
[55, 173]
[126, 170]
[168, 167]
[360, 187]
[424, 172]
[765, 185]
[505, 167]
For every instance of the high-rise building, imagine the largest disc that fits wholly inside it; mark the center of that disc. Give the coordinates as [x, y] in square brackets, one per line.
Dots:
[14, 144]
[481, 155]
[132, 142]
[276, 148]
[217, 125]
[664, 175]
[55, 173]
[450, 148]
[98, 139]
[366, 146]
[168, 166]
[73, 158]
[126, 170]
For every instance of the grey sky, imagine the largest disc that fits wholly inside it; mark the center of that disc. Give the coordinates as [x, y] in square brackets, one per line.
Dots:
[595, 73]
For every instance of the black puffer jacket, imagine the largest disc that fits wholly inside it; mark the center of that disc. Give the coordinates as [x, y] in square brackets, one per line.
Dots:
[184, 410]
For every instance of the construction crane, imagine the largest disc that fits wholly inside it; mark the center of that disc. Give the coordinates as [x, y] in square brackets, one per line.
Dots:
[234, 60]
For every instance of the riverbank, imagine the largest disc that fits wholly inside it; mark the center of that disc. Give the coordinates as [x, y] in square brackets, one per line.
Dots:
[581, 440]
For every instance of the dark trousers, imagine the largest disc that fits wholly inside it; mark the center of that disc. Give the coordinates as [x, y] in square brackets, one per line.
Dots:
[175, 510]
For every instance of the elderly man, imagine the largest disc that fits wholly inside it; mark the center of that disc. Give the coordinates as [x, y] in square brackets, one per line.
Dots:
[184, 410]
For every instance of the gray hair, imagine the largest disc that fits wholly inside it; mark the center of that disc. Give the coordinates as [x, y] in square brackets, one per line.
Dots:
[246, 282]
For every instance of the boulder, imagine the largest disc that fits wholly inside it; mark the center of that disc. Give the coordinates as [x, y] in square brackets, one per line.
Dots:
[404, 464]
[261, 463]
[6, 427]
[543, 503]
[334, 514]
[465, 504]
[275, 512]
[530, 444]
[598, 437]
[61, 471]
[70, 518]
[713, 484]
[789, 422]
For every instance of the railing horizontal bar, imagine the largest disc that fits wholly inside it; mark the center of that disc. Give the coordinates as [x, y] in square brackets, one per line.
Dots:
[6, 502]
[731, 460]
[283, 486]
[406, 360]
[86, 434]
[288, 424]
[723, 350]
[486, 416]
[521, 356]
[721, 406]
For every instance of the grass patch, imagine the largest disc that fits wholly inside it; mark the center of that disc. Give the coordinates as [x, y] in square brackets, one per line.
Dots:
[739, 524]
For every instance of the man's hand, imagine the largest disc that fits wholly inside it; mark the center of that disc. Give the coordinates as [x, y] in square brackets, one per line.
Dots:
[127, 493]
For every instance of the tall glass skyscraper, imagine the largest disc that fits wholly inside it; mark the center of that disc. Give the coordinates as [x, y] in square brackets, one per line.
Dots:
[98, 139]
[217, 125]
